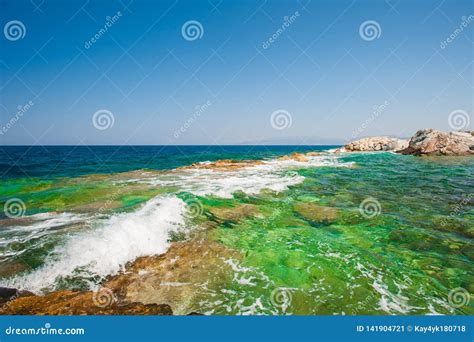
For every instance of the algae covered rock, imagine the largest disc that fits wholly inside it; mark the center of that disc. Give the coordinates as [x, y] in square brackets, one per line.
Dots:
[317, 213]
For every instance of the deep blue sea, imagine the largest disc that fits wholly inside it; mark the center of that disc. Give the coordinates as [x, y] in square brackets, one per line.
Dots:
[70, 161]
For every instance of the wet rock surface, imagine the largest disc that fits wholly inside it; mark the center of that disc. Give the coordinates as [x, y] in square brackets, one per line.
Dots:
[434, 142]
[179, 277]
[79, 303]
[317, 213]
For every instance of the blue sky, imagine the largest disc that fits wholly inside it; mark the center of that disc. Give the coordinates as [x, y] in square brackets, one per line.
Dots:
[222, 87]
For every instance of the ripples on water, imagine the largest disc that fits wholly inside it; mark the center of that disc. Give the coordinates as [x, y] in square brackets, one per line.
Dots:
[405, 259]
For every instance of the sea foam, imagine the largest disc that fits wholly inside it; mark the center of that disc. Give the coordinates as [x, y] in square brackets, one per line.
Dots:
[106, 248]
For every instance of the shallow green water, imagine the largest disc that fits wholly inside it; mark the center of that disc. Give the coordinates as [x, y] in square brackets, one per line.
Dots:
[308, 249]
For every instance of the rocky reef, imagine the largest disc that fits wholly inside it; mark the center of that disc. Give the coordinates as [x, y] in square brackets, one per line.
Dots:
[103, 302]
[424, 142]
[434, 142]
[376, 144]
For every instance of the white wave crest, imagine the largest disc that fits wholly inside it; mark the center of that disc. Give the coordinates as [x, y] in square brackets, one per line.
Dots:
[273, 175]
[108, 247]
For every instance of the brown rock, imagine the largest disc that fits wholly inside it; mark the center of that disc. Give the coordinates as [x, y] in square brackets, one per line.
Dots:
[79, 303]
[180, 277]
[233, 214]
[317, 213]
[434, 142]
[295, 156]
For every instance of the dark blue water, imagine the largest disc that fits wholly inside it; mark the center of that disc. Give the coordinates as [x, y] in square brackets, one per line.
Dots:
[70, 161]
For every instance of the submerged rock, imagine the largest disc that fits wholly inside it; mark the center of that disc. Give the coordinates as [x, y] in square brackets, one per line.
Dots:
[185, 273]
[434, 142]
[317, 213]
[376, 144]
[233, 214]
[223, 165]
[8, 294]
[180, 277]
[295, 156]
[79, 303]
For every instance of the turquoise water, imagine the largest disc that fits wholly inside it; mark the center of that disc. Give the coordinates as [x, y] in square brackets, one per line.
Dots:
[375, 233]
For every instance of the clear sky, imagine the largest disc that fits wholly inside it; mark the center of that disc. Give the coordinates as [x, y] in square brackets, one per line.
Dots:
[309, 62]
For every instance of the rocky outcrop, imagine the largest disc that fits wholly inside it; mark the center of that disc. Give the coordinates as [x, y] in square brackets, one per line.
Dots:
[376, 144]
[180, 277]
[434, 142]
[79, 303]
